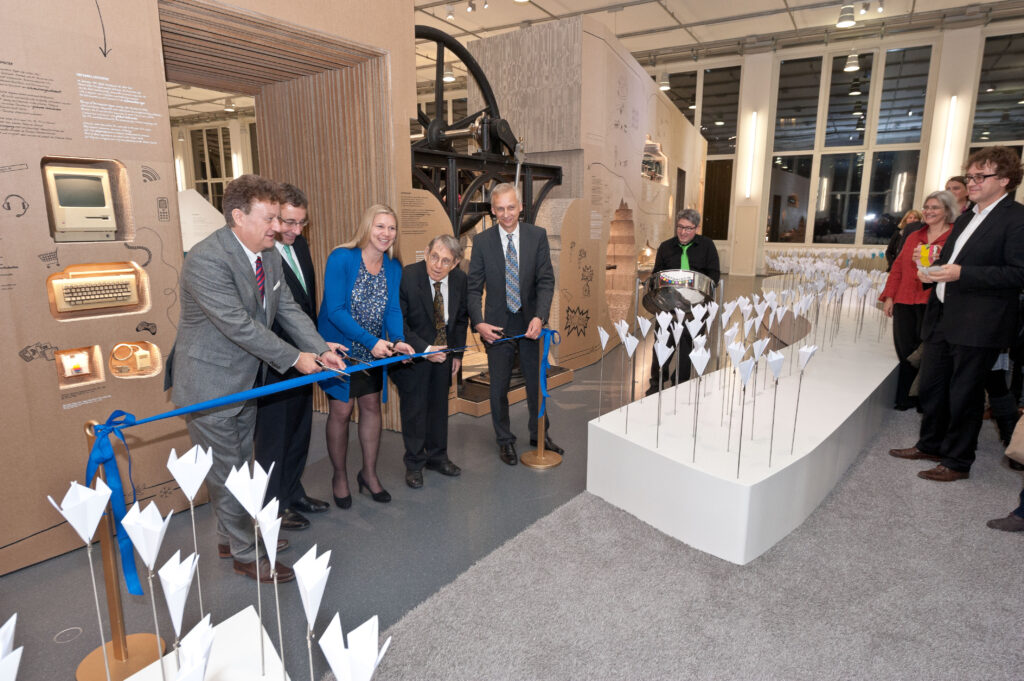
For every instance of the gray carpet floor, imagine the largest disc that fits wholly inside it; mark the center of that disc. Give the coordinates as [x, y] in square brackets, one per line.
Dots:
[892, 577]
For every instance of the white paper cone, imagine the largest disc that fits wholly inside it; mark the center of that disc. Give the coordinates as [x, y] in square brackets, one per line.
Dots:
[775, 361]
[736, 352]
[680, 315]
[806, 352]
[645, 326]
[661, 336]
[190, 470]
[747, 325]
[622, 328]
[664, 319]
[663, 352]
[759, 346]
[7, 635]
[699, 358]
[146, 529]
[270, 527]
[694, 327]
[699, 342]
[249, 491]
[604, 337]
[311, 575]
[630, 342]
[195, 651]
[698, 312]
[745, 367]
[677, 331]
[712, 312]
[176, 578]
[730, 335]
[83, 507]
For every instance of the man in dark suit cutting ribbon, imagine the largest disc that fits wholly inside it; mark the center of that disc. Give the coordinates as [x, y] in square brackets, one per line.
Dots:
[512, 261]
[284, 420]
[971, 315]
[433, 298]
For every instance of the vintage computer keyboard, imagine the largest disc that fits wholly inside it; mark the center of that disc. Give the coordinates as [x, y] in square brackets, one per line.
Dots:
[95, 292]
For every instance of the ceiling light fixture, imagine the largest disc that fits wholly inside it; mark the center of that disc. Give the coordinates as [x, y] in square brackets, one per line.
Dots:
[858, 109]
[855, 87]
[881, 6]
[663, 83]
[860, 125]
[852, 63]
[450, 13]
[449, 76]
[989, 88]
[522, 0]
[719, 121]
[693, 104]
[229, 106]
[470, 6]
[846, 19]
[485, 4]
[865, 7]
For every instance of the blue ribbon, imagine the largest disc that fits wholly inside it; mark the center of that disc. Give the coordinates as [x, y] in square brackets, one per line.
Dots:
[550, 337]
[102, 453]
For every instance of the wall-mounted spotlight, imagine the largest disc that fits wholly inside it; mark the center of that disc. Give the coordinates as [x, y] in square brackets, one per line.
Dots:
[450, 13]
[852, 63]
[846, 19]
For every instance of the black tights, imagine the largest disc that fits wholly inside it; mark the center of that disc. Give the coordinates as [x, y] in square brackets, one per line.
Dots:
[369, 440]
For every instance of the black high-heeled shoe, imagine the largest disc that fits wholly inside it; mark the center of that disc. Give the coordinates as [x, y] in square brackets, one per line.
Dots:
[343, 502]
[381, 497]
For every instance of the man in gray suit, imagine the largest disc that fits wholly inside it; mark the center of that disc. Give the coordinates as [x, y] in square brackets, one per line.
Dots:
[232, 292]
[512, 260]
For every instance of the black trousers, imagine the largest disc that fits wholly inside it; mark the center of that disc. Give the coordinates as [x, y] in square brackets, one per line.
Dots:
[500, 359]
[952, 399]
[906, 336]
[283, 423]
[423, 388]
[668, 375]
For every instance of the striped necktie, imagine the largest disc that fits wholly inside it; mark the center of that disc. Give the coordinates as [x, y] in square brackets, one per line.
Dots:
[440, 330]
[512, 278]
[260, 278]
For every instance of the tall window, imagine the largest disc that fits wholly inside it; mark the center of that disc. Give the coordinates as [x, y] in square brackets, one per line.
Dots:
[857, 169]
[998, 113]
[211, 162]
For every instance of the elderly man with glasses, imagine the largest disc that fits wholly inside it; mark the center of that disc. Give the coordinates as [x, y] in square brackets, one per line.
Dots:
[971, 315]
[687, 250]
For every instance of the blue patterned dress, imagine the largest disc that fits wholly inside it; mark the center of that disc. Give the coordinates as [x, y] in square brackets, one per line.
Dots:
[369, 300]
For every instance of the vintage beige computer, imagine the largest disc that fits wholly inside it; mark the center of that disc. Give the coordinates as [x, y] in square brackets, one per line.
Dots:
[80, 202]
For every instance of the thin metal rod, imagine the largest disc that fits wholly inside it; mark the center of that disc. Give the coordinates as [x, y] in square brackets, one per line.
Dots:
[99, 616]
[696, 410]
[771, 439]
[600, 386]
[259, 596]
[309, 649]
[280, 633]
[657, 430]
[195, 545]
[743, 409]
[156, 627]
[796, 411]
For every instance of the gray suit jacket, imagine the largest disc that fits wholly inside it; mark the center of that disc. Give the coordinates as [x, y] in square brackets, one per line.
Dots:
[225, 334]
[487, 270]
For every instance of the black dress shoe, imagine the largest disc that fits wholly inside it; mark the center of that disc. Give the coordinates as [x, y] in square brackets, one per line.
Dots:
[1014, 465]
[445, 467]
[224, 550]
[293, 520]
[381, 497]
[414, 479]
[306, 504]
[549, 445]
[507, 454]
[343, 502]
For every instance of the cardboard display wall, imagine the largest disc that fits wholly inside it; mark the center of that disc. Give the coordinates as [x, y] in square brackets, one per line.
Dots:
[579, 99]
[101, 98]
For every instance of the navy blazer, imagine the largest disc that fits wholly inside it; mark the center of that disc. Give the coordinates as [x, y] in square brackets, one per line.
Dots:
[981, 308]
[487, 269]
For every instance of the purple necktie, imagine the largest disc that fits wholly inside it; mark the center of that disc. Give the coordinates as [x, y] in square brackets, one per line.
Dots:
[260, 278]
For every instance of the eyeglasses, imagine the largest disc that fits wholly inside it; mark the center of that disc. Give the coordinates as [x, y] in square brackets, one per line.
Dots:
[979, 178]
[443, 262]
[294, 223]
[686, 229]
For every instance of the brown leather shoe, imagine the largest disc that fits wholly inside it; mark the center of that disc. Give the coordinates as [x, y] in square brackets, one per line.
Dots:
[284, 573]
[913, 453]
[942, 474]
[1011, 523]
[224, 551]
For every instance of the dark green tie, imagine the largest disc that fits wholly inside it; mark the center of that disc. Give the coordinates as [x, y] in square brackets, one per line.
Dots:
[684, 260]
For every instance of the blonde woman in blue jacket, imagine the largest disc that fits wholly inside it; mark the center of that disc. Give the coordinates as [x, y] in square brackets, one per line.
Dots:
[360, 310]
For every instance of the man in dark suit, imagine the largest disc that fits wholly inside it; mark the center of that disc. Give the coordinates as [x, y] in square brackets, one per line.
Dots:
[686, 250]
[512, 260]
[284, 420]
[971, 315]
[232, 291]
[433, 299]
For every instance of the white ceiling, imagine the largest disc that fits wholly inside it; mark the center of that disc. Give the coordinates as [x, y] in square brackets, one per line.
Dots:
[193, 104]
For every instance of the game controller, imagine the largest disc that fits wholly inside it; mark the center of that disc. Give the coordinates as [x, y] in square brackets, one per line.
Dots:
[146, 326]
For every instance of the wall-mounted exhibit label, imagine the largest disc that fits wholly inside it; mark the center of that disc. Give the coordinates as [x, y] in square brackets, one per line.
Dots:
[30, 103]
[113, 112]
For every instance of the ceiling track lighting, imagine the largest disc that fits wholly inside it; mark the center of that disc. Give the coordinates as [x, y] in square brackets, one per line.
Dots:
[450, 13]
[852, 63]
[846, 19]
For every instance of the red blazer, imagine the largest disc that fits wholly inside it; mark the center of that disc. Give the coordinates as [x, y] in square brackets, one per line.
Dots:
[903, 286]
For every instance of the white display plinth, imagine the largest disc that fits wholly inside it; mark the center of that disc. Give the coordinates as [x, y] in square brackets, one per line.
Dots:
[846, 391]
[235, 655]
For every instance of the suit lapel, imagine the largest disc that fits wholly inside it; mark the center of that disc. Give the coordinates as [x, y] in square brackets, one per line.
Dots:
[241, 264]
[980, 236]
[526, 251]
